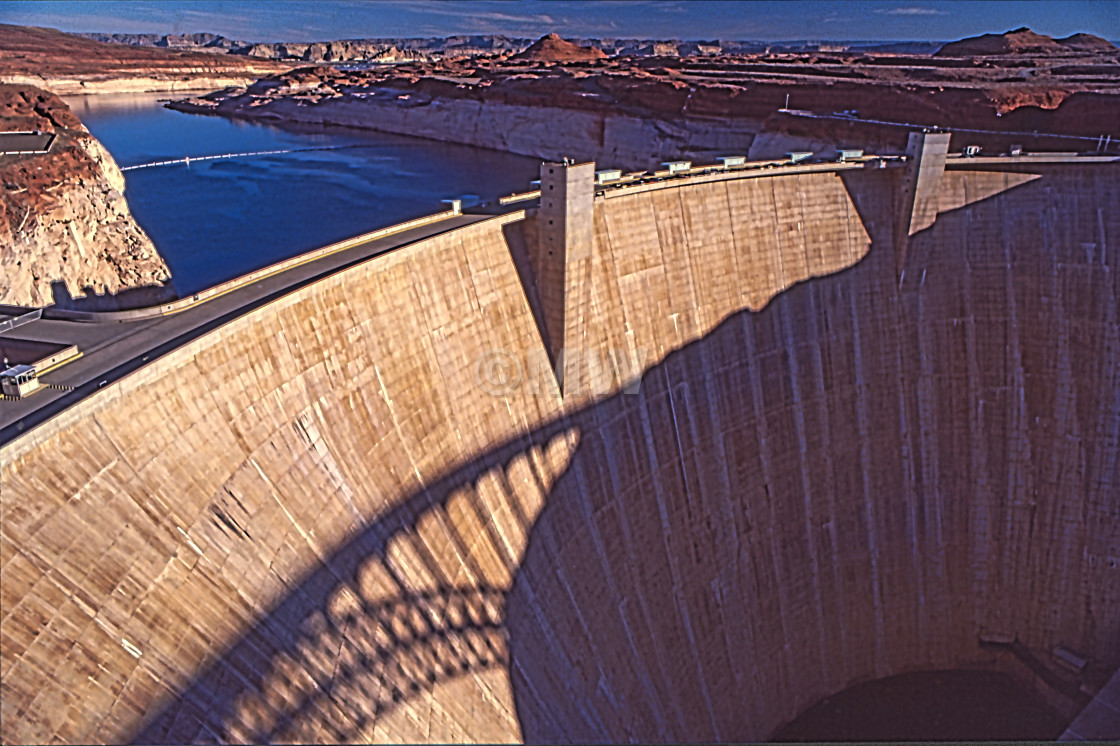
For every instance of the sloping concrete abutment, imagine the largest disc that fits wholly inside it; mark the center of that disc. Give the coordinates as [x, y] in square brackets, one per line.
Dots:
[780, 466]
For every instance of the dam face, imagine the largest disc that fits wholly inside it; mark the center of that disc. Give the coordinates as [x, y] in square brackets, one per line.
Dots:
[782, 457]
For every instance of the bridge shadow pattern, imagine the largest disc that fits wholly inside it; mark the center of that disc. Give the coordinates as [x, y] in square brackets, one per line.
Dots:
[310, 671]
[331, 659]
[379, 656]
[360, 636]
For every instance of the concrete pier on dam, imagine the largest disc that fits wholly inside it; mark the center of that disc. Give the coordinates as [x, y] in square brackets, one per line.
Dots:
[811, 427]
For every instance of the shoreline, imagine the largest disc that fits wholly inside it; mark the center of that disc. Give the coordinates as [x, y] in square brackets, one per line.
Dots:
[613, 140]
[361, 174]
[73, 86]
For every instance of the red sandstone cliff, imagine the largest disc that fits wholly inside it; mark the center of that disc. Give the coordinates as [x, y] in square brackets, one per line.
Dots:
[633, 112]
[1025, 42]
[552, 48]
[66, 64]
[63, 216]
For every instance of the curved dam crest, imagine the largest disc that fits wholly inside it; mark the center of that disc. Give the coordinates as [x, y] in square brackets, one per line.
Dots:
[315, 523]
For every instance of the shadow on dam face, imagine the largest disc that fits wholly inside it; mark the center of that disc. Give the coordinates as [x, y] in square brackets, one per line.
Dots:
[863, 479]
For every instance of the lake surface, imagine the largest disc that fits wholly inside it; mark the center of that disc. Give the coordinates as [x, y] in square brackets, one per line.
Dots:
[215, 220]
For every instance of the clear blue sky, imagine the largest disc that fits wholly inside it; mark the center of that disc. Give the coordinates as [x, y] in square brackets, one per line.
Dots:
[306, 20]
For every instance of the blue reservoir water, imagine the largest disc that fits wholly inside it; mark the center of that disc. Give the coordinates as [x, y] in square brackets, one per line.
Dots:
[215, 220]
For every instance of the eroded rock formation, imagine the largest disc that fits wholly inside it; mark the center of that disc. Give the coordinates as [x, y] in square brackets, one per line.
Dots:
[1023, 41]
[552, 48]
[633, 112]
[69, 64]
[65, 229]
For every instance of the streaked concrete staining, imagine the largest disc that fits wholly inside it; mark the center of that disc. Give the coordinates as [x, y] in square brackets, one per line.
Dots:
[314, 524]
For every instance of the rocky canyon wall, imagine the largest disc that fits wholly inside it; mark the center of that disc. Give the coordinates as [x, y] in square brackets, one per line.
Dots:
[613, 140]
[65, 228]
[324, 521]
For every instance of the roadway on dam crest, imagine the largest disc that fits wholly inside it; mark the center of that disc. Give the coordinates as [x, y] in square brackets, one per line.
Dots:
[113, 349]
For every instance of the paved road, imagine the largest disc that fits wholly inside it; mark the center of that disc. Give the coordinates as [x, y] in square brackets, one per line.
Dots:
[113, 350]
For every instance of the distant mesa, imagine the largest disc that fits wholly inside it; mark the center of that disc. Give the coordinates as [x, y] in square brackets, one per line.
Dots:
[552, 48]
[1088, 43]
[660, 49]
[70, 64]
[1024, 41]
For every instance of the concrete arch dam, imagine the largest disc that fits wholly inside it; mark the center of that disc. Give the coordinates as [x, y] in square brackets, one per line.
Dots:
[371, 510]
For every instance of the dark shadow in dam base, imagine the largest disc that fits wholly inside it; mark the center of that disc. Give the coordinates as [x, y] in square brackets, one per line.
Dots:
[929, 706]
[575, 578]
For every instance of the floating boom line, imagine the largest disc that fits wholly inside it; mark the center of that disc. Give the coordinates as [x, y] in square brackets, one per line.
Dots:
[187, 160]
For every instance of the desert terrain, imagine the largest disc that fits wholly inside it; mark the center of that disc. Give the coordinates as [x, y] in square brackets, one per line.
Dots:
[69, 64]
[558, 99]
[633, 105]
